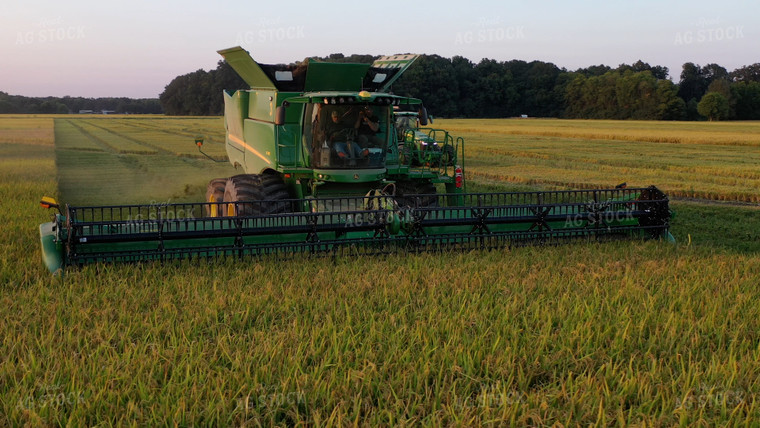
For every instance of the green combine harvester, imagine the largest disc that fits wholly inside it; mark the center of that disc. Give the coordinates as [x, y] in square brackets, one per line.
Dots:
[326, 170]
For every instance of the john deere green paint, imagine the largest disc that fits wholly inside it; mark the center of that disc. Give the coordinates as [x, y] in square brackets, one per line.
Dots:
[326, 167]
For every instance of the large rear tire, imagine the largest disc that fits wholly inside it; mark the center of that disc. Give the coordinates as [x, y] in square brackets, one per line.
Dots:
[215, 193]
[255, 194]
[274, 190]
[407, 191]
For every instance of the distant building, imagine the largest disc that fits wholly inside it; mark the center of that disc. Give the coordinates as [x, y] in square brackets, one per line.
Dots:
[108, 111]
[85, 111]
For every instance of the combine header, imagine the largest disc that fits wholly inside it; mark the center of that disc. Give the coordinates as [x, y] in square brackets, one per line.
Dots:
[327, 171]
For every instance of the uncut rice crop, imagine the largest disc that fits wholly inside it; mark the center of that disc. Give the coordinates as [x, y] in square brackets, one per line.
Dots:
[626, 333]
[26, 129]
[563, 154]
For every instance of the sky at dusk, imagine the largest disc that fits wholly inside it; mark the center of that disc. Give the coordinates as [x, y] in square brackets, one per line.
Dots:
[135, 48]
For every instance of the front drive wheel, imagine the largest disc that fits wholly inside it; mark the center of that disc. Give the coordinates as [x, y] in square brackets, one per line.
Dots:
[214, 194]
[255, 194]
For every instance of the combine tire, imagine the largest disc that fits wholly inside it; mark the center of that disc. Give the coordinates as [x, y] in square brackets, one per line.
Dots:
[406, 192]
[215, 193]
[274, 190]
[259, 194]
[449, 155]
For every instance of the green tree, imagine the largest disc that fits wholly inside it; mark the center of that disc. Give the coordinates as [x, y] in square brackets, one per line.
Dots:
[60, 108]
[693, 83]
[713, 106]
[172, 98]
[190, 94]
[540, 98]
[748, 73]
[495, 89]
[431, 78]
[659, 72]
[691, 109]
[5, 107]
[747, 100]
[594, 70]
[713, 72]
[635, 93]
[573, 93]
[669, 105]
[723, 87]
[464, 70]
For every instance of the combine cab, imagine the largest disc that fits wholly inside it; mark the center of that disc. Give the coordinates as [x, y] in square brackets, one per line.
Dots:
[328, 166]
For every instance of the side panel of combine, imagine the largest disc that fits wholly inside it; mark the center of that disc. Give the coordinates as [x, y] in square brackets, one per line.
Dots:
[235, 112]
[291, 152]
[261, 105]
[260, 147]
[259, 132]
[253, 141]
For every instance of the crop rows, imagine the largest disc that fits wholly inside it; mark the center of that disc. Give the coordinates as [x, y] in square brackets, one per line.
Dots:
[570, 159]
[713, 133]
[165, 135]
[625, 333]
[111, 161]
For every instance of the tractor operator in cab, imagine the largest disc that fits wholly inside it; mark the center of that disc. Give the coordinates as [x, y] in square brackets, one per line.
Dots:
[340, 135]
[367, 126]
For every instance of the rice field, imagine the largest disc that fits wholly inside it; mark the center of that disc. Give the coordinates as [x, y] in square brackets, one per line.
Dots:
[155, 159]
[686, 159]
[627, 333]
[123, 160]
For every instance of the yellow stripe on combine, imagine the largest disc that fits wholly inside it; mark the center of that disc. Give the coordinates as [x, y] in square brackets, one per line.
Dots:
[249, 148]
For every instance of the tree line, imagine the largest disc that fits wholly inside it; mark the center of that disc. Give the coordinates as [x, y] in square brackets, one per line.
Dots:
[457, 87]
[18, 104]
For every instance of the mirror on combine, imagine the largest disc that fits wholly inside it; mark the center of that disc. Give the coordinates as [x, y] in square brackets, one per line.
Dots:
[279, 118]
[423, 116]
